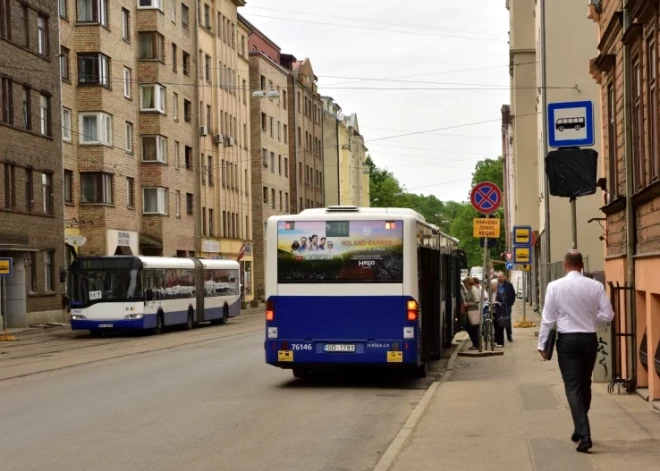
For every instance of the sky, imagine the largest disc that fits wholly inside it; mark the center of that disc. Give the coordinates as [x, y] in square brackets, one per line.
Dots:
[459, 47]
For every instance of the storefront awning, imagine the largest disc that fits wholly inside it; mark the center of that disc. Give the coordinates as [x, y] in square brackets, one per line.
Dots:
[149, 241]
[17, 248]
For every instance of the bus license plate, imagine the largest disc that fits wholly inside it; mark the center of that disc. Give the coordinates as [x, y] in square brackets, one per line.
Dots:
[342, 347]
[105, 325]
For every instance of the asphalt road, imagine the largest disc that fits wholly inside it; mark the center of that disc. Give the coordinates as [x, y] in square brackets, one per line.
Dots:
[208, 406]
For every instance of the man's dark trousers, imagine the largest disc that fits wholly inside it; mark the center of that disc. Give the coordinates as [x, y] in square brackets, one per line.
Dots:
[577, 357]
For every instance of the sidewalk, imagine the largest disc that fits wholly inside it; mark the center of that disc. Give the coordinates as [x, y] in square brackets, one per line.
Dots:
[510, 413]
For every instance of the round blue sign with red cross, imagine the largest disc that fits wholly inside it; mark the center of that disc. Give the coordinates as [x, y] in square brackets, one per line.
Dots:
[486, 197]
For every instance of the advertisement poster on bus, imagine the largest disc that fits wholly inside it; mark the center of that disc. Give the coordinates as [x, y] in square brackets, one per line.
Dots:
[340, 252]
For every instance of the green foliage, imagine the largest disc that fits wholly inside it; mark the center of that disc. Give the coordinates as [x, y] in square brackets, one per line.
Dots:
[453, 217]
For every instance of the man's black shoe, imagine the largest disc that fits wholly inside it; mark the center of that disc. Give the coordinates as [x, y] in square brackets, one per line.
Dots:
[575, 437]
[585, 445]
[510, 340]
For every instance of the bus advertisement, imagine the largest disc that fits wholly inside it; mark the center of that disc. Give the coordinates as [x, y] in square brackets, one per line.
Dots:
[350, 286]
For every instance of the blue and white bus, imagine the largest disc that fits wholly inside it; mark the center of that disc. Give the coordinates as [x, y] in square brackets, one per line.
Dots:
[131, 293]
[359, 286]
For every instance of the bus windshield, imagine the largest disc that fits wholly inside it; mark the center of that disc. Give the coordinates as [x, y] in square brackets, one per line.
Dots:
[94, 284]
[340, 252]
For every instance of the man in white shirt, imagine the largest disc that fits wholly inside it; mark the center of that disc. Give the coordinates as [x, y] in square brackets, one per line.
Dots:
[577, 304]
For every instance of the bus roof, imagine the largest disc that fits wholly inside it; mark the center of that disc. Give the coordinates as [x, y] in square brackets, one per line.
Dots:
[363, 212]
[171, 262]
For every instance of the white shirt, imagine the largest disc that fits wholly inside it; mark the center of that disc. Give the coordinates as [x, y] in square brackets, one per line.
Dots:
[577, 304]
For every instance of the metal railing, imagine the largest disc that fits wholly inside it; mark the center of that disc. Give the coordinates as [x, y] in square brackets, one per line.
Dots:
[624, 344]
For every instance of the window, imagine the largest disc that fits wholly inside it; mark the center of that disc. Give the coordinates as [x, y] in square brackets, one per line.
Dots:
[96, 188]
[271, 127]
[173, 10]
[174, 56]
[189, 203]
[63, 9]
[151, 46]
[177, 204]
[42, 35]
[207, 68]
[68, 186]
[286, 167]
[175, 106]
[265, 194]
[186, 64]
[154, 201]
[130, 192]
[66, 124]
[211, 231]
[176, 154]
[207, 16]
[279, 131]
[188, 157]
[152, 98]
[638, 120]
[279, 164]
[127, 82]
[95, 128]
[203, 221]
[64, 64]
[44, 114]
[210, 168]
[263, 121]
[653, 107]
[286, 134]
[145, 4]
[154, 149]
[245, 89]
[281, 200]
[10, 186]
[272, 198]
[27, 108]
[31, 269]
[272, 162]
[49, 273]
[247, 183]
[185, 16]
[29, 190]
[284, 100]
[94, 69]
[7, 100]
[209, 120]
[613, 180]
[93, 11]
[187, 110]
[286, 200]
[126, 25]
[129, 137]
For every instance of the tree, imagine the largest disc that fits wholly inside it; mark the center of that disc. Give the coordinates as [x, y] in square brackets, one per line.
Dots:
[383, 186]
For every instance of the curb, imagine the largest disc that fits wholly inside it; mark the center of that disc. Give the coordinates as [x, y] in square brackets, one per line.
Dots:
[397, 444]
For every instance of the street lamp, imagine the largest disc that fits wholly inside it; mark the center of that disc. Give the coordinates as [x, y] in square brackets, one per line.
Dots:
[373, 201]
[265, 93]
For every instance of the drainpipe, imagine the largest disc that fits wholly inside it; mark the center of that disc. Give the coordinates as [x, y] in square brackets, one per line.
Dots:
[295, 195]
[545, 273]
[630, 211]
[196, 159]
[338, 162]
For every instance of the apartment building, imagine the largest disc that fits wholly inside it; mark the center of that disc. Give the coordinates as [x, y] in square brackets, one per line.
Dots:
[129, 126]
[305, 134]
[625, 70]
[543, 73]
[346, 180]
[225, 218]
[31, 212]
[269, 125]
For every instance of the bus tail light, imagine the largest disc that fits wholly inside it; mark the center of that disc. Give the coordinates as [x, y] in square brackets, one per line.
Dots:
[412, 310]
[285, 345]
[270, 311]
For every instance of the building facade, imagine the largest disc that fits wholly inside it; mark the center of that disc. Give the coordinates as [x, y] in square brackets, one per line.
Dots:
[346, 180]
[31, 220]
[542, 73]
[269, 124]
[305, 135]
[625, 69]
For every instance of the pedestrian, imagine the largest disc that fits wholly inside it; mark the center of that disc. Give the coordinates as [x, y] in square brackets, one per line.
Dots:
[507, 293]
[499, 314]
[577, 305]
[472, 321]
[484, 292]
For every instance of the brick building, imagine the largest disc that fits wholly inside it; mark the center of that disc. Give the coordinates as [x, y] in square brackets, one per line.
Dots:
[269, 124]
[631, 202]
[31, 214]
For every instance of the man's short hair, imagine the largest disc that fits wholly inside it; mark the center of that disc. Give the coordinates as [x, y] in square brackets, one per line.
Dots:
[573, 258]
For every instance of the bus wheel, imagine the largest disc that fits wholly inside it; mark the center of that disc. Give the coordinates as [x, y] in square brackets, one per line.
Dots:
[419, 371]
[225, 316]
[191, 320]
[160, 324]
[95, 333]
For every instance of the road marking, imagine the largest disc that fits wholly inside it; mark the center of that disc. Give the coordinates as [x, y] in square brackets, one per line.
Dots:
[397, 444]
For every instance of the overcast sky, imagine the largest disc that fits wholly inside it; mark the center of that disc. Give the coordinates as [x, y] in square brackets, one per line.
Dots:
[444, 42]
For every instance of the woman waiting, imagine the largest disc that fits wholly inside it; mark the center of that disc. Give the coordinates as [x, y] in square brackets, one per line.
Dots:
[472, 296]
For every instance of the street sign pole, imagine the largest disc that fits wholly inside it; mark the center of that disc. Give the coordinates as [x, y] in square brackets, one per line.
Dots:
[574, 221]
[481, 300]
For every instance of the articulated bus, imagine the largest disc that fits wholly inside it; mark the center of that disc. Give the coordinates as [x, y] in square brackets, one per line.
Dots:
[349, 286]
[151, 293]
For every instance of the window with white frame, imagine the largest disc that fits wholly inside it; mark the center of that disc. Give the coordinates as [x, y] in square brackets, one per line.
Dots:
[96, 188]
[173, 10]
[151, 46]
[175, 106]
[152, 98]
[127, 82]
[154, 200]
[95, 128]
[176, 154]
[130, 192]
[93, 11]
[129, 137]
[177, 204]
[154, 149]
[66, 124]
[42, 35]
[44, 106]
[48, 271]
[126, 25]
[146, 4]
[94, 69]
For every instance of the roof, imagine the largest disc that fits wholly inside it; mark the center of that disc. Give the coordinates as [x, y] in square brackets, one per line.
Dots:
[254, 29]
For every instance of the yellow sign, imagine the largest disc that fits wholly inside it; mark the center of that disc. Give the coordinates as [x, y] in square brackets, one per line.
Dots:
[486, 227]
[523, 267]
[285, 355]
[394, 357]
[521, 255]
[5, 267]
[522, 236]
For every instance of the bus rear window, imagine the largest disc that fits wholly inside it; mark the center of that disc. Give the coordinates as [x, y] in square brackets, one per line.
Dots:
[340, 252]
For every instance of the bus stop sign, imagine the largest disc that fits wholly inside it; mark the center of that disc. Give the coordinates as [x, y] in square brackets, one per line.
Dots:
[571, 124]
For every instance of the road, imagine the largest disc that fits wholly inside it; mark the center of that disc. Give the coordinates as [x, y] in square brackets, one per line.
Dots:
[211, 405]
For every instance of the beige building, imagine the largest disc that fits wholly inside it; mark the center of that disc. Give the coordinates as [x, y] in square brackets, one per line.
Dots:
[346, 174]
[542, 72]
[269, 120]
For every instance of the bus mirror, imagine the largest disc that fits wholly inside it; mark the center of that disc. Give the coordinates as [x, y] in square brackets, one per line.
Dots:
[149, 295]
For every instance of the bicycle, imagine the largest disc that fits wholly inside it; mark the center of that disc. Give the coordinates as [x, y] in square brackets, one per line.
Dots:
[488, 328]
